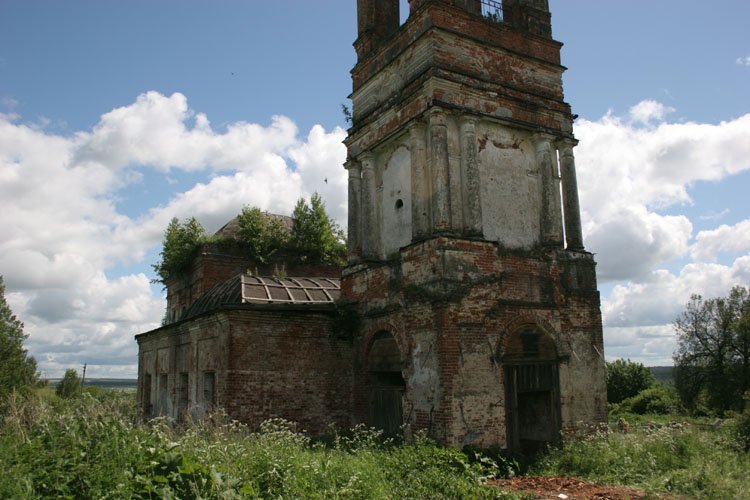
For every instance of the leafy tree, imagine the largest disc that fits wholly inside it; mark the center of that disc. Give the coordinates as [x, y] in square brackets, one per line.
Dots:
[263, 234]
[17, 368]
[712, 362]
[626, 379]
[181, 242]
[314, 234]
[70, 385]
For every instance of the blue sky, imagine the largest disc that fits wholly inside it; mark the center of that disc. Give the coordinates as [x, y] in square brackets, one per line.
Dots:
[117, 115]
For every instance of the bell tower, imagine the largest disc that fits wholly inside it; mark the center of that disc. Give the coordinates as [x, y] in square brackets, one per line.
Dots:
[466, 254]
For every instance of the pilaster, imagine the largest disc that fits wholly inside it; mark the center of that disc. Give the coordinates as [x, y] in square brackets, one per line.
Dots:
[470, 180]
[573, 230]
[355, 210]
[420, 181]
[371, 228]
[546, 157]
[441, 208]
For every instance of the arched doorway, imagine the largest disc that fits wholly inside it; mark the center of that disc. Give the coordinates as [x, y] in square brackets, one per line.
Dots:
[532, 390]
[385, 384]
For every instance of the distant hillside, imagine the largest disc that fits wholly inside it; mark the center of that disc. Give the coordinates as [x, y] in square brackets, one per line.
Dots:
[663, 374]
[104, 383]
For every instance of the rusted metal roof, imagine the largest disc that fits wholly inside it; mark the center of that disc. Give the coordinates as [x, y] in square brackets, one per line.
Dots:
[246, 289]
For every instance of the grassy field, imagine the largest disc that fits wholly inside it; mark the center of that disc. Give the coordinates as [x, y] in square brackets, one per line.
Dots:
[660, 454]
[90, 447]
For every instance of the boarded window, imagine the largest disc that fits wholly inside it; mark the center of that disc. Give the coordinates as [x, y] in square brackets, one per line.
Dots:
[146, 405]
[183, 400]
[163, 394]
[209, 389]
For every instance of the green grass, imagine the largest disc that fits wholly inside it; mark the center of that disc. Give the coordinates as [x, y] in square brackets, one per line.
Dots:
[683, 458]
[90, 448]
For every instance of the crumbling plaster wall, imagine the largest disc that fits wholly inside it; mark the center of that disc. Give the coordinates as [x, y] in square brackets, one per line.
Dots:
[510, 181]
[267, 363]
[511, 187]
[450, 303]
[395, 197]
[194, 348]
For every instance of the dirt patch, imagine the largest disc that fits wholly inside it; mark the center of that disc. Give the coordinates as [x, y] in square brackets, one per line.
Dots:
[567, 488]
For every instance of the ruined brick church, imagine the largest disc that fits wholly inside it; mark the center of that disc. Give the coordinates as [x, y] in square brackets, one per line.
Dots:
[470, 305]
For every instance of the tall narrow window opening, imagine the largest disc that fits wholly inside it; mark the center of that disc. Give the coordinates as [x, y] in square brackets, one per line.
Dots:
[183, 398]
[163, 394]
[146, 405]
[209, 390]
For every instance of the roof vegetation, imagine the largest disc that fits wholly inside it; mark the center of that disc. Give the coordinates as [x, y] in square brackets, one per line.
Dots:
[313, 238]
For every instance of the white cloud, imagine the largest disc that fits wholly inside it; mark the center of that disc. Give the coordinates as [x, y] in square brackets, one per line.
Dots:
[659, 299]
[627, 174]
[650, 345]
[638, 316]
[631, 170]
[62, 229]
[743, 61]
[714, 215]
[730, 239]
[647, 111]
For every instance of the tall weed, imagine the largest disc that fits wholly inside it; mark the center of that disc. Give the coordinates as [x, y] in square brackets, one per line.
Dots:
[90, 447]
[679, 458]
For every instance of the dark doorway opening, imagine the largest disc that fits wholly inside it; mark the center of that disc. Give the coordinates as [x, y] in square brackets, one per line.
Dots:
[385, 385]
[532, 390]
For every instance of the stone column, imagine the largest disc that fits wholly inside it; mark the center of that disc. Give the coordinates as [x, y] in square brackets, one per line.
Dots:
[546, 158]
[354, 232]
[369, 229]
[573, 231]
[441, 201]
[470, 181]
[420, 182]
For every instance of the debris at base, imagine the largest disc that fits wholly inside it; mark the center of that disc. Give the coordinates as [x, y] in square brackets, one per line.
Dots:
[567, 488]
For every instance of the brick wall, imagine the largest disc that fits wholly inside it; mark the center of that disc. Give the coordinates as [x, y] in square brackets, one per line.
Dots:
[267, 363]
[288, 364]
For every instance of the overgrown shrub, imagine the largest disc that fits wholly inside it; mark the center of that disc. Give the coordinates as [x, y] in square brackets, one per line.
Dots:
[261, 233]
[626, 379]
[70, 385]
[315, 236]
[180, 245]
[741, 426]
[656, 400]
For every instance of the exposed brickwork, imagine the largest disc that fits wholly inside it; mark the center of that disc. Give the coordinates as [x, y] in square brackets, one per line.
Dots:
[289, 365]
[268, 363]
